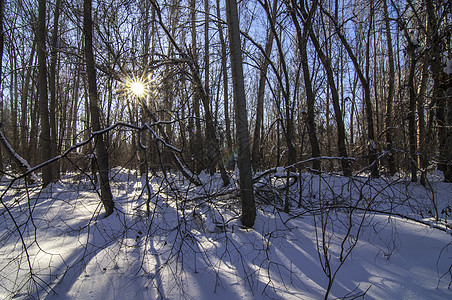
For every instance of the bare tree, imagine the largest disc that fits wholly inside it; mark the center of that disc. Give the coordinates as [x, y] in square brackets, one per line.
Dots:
[101, 151]
[224, 70]
[42, 89]
[326, 61]
[302, 39]
[53, 90]
[24, 101]
[241, 119]
[439, 90]
[390, 97]
[411, 52]
[372, 147]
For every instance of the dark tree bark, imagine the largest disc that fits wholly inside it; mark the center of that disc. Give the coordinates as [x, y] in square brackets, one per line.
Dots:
[101, 151]
[390, 98]
[52, 87]
[24, 102]
[412, 109]
[196, 144]
[439, 97]
[212, 153]
[448, 143]
[43, 96]
[241, 119]
[34, 119]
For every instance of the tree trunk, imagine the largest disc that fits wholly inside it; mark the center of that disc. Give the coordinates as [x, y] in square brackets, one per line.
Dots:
[34, 119]
[196, 144]
[13, 97]
[438, 97]
[52, 86]
[101, 151]
[390, 98]
[412, 111]
[448, 142]
[256, 155]
[212, 155]
[224, 70]
[241, 119]
[24, 102]
[422, 136]
[45, 150]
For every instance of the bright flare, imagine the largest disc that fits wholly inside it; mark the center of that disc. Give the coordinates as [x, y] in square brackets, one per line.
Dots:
[137, 88]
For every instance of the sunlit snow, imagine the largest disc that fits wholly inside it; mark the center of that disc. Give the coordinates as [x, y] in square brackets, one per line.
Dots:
[192, 245]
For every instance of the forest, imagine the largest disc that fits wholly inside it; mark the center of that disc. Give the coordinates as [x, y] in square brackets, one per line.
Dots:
[163, 139]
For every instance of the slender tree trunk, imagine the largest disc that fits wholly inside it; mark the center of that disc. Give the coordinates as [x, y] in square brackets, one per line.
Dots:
[24, 102]
[422, 136]
[224, 70]
[197, 147]
[101, 151]
[244, 162]
[256, 155]
[212, 154]
[43, 97]
[448, 137]
[52, 86]
[13, 98]
[390, 98]
[34, 119]
[225, 79]
[412, 112]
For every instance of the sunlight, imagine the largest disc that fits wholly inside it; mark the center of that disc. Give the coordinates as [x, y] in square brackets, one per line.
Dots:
[137, 88]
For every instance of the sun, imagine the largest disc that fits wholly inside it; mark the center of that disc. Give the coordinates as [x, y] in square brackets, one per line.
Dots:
[136, 86]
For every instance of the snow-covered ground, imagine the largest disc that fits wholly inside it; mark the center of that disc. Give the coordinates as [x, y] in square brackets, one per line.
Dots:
[355, 235]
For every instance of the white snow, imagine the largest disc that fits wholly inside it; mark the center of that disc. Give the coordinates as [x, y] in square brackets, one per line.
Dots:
[192, 245]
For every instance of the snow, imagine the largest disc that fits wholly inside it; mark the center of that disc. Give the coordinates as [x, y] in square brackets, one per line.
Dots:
[448, 68]
[192, 245]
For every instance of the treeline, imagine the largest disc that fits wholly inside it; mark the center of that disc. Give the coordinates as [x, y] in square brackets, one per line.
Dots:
[361, 79]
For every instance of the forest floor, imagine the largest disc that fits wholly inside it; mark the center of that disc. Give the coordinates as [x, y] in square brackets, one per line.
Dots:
[357, 236]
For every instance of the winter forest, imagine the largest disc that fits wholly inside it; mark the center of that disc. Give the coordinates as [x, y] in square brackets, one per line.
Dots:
[252, 149]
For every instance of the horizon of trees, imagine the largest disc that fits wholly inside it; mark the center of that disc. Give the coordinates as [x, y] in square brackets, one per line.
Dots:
[363, 80]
